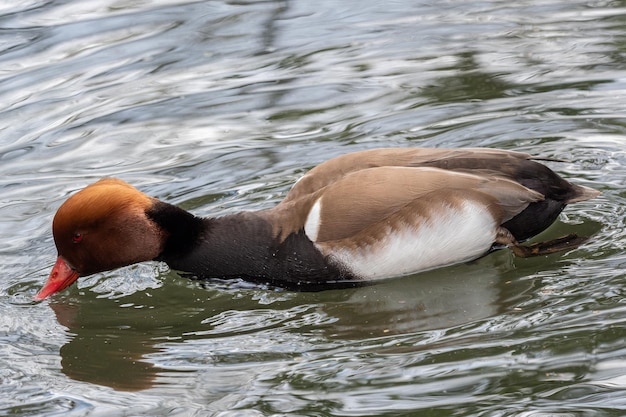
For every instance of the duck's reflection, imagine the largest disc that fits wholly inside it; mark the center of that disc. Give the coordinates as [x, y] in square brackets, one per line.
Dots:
[106, 356]
[438, 299]
[112, 340]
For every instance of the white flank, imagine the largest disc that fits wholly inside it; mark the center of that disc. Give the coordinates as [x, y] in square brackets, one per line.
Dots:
[314, 221]
[453, 235]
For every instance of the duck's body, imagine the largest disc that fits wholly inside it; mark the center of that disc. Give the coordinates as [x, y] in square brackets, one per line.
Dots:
[359, 217]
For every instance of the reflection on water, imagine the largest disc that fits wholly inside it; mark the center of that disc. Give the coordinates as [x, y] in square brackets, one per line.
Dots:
[104, 355]
[109, 346]
[220, 106]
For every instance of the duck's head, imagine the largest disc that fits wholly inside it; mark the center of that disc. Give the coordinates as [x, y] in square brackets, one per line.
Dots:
[102, 227]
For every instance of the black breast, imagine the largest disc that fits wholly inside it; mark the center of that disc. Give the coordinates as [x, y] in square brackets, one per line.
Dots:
[243, 246]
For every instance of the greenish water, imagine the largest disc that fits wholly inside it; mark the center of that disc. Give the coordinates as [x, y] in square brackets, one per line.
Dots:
[219, 106]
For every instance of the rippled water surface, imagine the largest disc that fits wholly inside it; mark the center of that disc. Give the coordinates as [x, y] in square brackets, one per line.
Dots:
[218, 105]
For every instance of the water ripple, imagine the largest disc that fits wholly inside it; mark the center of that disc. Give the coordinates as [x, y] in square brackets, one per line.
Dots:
[219, 106]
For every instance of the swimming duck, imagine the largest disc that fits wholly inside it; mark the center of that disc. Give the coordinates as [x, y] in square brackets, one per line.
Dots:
[359, 217]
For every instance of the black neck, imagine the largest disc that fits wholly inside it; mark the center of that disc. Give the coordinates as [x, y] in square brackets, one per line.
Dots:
[241, 246]
[182, 228]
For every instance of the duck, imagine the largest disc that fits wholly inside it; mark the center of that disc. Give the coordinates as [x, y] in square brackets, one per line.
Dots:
[357, 218]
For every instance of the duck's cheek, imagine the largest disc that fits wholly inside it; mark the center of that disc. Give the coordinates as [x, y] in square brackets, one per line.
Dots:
[61, 277]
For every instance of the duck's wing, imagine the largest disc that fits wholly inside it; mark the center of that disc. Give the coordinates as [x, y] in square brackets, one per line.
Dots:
[391, 220]
[468, 159]
[373, 197]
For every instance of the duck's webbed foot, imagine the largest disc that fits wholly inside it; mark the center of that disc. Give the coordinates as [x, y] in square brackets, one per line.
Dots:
[571, 241]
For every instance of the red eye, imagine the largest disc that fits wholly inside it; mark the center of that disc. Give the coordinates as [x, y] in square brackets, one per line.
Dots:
[77, 237]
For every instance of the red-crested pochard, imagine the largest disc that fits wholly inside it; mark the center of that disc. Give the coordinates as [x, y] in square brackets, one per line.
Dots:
[359, 217]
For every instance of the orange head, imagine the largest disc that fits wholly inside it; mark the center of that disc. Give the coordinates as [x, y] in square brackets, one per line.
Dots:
[102, 227]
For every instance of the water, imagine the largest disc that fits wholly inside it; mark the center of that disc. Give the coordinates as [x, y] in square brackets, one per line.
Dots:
[218, 106]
